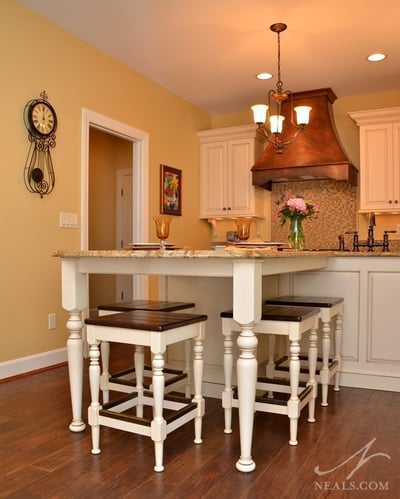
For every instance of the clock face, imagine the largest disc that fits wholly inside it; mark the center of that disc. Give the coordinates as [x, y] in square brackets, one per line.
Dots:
[42, 118]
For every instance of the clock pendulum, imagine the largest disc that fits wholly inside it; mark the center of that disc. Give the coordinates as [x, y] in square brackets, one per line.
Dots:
[41, 122]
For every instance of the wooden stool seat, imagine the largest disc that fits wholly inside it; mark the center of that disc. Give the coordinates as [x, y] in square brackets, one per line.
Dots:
[125, 380]
[327, 366]
[156, 330]
[155, 305]
[291, 322]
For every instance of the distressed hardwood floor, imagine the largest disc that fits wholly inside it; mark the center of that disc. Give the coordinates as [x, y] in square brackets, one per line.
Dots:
[355, 444]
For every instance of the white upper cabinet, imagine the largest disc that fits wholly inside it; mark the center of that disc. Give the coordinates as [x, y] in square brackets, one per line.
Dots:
[226, 158]
[379, 159]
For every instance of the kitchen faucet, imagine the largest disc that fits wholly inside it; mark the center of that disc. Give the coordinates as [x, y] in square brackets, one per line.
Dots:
[370, 243]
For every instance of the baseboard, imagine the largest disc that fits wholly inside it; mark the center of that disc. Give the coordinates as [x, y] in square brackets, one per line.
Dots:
[370, 381]
[25, 365]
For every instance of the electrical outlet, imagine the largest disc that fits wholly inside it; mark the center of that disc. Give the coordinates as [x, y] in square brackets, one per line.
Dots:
[52, 322]
[398, 229]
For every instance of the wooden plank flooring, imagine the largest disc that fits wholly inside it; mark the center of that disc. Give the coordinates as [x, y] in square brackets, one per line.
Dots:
[41, 458]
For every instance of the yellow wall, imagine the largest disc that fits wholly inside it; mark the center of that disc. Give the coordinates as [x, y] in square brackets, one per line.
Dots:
[37, 55]
[75, 76]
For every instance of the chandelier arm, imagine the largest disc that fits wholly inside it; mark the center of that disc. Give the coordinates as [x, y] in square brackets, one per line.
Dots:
[274, 138]
[272, 130]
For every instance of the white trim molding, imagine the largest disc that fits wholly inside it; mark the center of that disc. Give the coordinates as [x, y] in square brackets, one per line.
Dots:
[26, 365]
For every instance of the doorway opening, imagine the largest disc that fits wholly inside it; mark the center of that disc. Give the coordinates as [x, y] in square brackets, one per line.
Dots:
[95, 224]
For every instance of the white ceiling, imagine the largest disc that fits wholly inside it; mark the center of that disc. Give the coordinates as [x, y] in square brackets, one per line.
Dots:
[209, 51]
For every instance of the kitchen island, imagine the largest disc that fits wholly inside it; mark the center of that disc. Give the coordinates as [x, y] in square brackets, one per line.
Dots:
[245, 267]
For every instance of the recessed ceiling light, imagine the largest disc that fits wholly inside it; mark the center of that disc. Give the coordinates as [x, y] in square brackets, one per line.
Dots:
[376, 57]
[263, 76]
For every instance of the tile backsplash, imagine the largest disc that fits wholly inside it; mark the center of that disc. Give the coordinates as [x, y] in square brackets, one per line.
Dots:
[337, 203]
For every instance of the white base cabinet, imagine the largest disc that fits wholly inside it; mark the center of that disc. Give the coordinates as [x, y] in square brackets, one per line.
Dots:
[226, 158]
[370, 287]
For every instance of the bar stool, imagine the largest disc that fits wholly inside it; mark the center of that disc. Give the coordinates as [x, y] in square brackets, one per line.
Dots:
[156, 330]
[126, 380]
[329, 308]
[292, 322]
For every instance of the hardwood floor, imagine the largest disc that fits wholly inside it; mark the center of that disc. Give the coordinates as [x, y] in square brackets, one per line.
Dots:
[355, 442]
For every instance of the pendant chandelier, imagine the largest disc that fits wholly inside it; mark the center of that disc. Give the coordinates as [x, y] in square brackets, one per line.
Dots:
[269, 117]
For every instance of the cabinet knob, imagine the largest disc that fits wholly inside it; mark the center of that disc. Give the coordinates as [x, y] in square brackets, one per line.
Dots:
[390, 201]
[395, 201]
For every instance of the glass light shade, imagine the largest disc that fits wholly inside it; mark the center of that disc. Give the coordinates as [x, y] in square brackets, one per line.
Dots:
[259, 113]
[276, 123]
[302, 114]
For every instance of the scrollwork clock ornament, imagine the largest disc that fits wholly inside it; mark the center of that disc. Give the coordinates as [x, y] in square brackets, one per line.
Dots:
[41, 122]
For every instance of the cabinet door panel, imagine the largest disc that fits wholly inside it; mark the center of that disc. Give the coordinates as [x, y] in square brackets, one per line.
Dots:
[239, 164]
[396, 163]
[213, 179]
[341, 284]
[377, 175]
[383, 318]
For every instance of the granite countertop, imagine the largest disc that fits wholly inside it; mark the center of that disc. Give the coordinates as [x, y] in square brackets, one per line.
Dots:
[229, 252]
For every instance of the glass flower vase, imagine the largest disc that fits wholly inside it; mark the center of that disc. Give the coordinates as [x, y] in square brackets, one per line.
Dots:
[296, 234]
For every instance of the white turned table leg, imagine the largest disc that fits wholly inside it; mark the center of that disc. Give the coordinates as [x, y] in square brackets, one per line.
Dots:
[227, 393]
[247, 298]
[247, 378]
[75, 369]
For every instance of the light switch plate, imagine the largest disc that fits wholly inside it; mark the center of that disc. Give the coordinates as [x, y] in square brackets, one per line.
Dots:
[69, 220]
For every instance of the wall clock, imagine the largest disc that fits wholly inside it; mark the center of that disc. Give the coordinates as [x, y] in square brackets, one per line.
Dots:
[41, 122]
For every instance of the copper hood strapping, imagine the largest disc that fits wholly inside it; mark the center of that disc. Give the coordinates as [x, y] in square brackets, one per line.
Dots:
[316, 154]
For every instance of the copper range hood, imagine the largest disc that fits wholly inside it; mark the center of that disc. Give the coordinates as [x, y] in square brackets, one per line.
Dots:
[316, 154]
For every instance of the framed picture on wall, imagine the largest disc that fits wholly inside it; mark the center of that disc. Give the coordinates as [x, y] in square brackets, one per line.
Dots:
[171, 190]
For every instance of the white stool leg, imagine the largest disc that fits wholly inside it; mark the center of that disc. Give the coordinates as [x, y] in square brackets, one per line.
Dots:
[158, 425]
[312, 366]
[324, 374]
[139, 374]
[94, 380]
[293, 402]
[227, 393]
[270, 368]
[338, 349]
[188, 368]
[198, 382]
[105, 374]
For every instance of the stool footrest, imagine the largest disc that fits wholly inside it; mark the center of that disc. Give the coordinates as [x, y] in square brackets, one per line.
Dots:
[280, 365]
[302, 395]
[179, 405]
[276, 385]
[172, 376]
